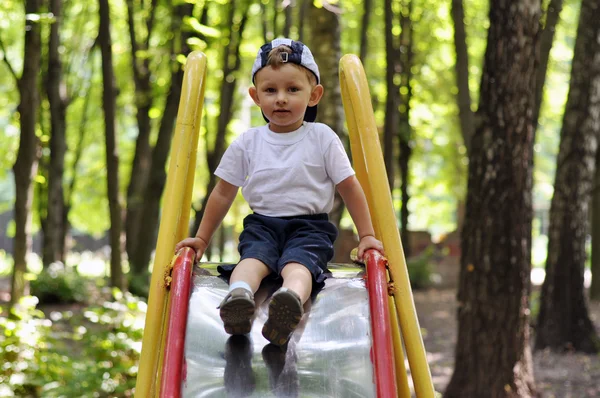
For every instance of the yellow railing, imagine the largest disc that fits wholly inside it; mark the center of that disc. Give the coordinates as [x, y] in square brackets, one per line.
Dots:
[370, 171]
[174, 221]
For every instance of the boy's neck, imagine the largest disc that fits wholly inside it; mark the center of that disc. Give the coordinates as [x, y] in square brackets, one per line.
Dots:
[284, 130]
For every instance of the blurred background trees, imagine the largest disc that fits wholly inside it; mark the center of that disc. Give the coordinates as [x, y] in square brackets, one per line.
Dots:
[91, 91]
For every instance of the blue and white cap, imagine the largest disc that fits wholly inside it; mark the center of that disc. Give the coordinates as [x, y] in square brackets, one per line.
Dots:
[300, 55]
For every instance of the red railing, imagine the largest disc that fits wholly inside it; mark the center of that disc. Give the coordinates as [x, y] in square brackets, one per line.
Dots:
[382, 350]
[383, 346]
[181, 283]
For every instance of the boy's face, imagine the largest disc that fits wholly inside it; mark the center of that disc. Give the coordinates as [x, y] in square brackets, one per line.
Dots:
[283, 95]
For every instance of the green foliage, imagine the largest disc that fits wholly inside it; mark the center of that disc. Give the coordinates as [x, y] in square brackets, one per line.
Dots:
[419, 268]
[91, 355]
[111, 347]
[28, 352]
[438, 166]
[139, 285]
[59, 284]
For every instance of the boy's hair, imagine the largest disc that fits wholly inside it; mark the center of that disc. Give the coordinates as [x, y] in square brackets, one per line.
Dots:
[276, 59]
[283, 50]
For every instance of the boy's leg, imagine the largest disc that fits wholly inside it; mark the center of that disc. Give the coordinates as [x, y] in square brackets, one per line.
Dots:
[237, 308]
[298, 279]
[286, 306]
[251, 271]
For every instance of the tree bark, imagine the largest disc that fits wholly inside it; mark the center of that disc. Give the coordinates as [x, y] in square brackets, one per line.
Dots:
[25, 167]
[563, 321]
[595, 287]
[392, 112]
[77, 155]
[405, 131]
[231, 62]
[461, 67]
[157, 176]
[53, 249]
[493, 356]
[364, 37]
[287, 20]
[323, 38]
[546, 40]
[143, 152]
[109, 96]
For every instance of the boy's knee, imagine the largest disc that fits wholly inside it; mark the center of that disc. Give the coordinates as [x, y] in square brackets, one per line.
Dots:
[297, 270]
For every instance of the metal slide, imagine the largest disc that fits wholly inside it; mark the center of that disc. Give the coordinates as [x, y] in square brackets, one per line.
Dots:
[327, 356]
[351, 341]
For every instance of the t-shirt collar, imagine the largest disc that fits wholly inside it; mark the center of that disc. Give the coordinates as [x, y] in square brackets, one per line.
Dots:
[285, 138]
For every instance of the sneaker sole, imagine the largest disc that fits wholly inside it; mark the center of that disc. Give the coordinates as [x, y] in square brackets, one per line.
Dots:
[285, 314]
[237, 316]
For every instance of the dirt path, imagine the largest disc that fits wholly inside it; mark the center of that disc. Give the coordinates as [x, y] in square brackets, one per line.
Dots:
[557, 376]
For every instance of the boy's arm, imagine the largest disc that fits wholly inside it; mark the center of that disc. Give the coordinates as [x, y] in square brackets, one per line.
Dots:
[217, 206]
[356, 202]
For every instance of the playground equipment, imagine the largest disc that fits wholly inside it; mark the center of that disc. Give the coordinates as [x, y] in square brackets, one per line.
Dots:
[352, 343]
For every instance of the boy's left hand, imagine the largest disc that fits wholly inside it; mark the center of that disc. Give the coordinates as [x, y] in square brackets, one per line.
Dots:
[369, 242]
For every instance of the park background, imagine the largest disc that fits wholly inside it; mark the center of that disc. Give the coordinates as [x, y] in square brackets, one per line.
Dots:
[90, 98]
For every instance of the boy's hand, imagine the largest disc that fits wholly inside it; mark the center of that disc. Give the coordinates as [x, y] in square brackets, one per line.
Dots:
[198, 244]
[369, 242]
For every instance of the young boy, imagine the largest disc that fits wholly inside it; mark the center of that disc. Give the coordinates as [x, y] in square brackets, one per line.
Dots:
[288, 170]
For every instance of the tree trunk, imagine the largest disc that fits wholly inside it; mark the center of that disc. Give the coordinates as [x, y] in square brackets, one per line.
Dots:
[77, 155]
[323, 38]
[595, 288]
[231, 62]
[461, 68]
[25, 167]
[463, 97]
[563, 321]
[287, 13]
[392, 112]
[109, 96]
[493, 356]
[263, 24]
[364, 29]
[546, 40]
[405, 131]
[157, 176]
[303, 9]
[53, 249]
[143, 152]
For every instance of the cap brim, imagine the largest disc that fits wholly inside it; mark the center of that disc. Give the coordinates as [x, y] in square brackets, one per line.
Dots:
[309, 116]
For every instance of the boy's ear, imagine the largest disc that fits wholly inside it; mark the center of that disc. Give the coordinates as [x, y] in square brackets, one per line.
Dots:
[315, 95]
[254, 95]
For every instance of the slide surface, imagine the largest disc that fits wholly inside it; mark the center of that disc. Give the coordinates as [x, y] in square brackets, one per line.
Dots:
[328, 355]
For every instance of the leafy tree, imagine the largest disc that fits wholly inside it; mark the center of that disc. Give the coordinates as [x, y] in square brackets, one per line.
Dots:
[146, 239]
[25, 167]
[234, 25]
[496, 237]
[109, 97]
[54, 225]
[323, 36]
[563, 320]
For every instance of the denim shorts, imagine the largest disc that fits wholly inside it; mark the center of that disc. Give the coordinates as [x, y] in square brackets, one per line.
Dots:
[277, 241]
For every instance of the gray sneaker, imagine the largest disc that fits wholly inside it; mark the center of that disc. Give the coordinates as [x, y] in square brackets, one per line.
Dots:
[237, 311]
[285, 312]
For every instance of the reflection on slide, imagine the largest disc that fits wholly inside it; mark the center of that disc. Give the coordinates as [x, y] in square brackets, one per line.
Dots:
[328, 356]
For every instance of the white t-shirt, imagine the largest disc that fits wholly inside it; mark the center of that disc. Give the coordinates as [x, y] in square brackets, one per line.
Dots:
[287, 174]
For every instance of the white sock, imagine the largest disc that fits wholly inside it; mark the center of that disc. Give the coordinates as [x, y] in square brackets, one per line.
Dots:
[241, 284]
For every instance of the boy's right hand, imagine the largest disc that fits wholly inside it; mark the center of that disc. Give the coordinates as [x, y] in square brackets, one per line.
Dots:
[198, 244]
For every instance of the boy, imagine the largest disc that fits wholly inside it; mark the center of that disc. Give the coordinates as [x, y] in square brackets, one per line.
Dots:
[288, 170]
